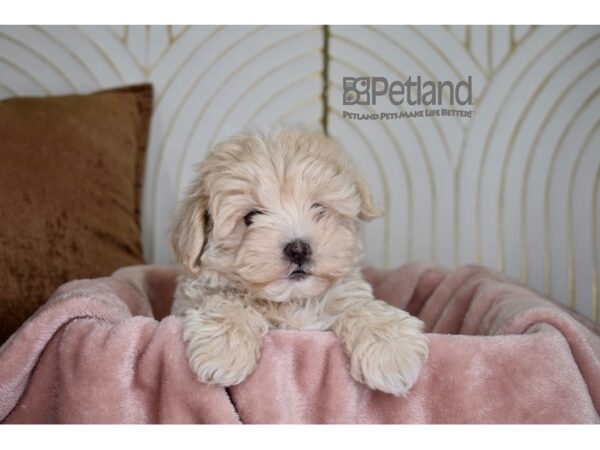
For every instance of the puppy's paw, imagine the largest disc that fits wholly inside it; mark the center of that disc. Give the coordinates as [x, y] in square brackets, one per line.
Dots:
[221, 351]
[389, 359]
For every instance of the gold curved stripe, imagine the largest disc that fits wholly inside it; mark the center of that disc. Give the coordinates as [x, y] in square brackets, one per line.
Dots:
[134, 57]
[443, 55]
[524, 193]
[293, 109]
[299, 106]
[461, 155]
[40, 56]
[511, 44]
[570, 228]
[26, 74]
[173, 37]
[489, 37]
[517, 40]
[146, 67]
[70, 51]
[490, 133]
[119, 29]
[172, 40]
[386, 63]
[595, 231]
[457, 38]
[170, 43]
[554, 157]
[185, 61]
[513, 41]
[268, 100]
[551, 72]
[9, 89]
[101, 51]
[468, 39]
[481, 59]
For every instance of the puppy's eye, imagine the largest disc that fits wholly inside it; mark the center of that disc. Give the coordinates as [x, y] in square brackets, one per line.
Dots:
[320, 210]
[249, 218]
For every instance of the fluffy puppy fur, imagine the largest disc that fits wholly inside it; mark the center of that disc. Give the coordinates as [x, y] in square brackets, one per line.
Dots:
[267, 236]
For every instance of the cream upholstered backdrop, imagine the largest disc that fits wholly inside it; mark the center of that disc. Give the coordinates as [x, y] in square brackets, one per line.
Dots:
[514, 187]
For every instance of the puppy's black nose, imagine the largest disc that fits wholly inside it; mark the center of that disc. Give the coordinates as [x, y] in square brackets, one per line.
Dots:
[297, 252]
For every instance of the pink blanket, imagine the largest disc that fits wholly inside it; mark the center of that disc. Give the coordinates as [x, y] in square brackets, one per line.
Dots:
[106, 351]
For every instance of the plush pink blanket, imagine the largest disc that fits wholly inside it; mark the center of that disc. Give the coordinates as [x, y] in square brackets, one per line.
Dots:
[106, 351]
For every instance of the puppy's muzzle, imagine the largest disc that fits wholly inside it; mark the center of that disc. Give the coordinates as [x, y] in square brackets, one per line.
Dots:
[297, 252]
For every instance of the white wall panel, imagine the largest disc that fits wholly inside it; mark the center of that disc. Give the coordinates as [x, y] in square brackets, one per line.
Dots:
[515, 187]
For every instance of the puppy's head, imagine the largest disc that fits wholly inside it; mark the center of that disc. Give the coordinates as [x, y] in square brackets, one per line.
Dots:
[276, 213]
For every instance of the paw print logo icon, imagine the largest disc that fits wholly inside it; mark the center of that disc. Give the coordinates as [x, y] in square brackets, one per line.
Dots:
[357, 91]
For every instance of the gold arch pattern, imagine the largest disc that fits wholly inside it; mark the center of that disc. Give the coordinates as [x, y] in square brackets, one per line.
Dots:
[455, 173]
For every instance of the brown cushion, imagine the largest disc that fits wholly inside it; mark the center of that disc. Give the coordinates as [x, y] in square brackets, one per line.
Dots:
[71, 172]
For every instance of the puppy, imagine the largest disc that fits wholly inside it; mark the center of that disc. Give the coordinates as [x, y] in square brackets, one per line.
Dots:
[267, 237]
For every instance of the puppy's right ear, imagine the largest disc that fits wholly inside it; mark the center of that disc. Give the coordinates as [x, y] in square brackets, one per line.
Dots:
[368, 211]
[188, 232]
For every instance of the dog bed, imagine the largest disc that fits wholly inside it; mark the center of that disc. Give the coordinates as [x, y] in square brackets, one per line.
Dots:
[106, 351]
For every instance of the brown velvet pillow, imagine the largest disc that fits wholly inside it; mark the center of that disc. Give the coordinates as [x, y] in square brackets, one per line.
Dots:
[71, 172]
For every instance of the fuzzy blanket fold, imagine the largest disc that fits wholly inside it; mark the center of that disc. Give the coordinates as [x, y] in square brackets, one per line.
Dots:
[106, 351]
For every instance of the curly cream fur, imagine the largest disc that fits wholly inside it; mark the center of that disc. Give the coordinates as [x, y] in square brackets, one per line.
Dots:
[235, 283]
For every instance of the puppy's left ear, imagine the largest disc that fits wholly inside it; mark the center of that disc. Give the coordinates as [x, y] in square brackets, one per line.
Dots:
[368, 211]
[188, 234]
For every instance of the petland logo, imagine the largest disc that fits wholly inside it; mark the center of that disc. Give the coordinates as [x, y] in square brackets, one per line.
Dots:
[412, 92]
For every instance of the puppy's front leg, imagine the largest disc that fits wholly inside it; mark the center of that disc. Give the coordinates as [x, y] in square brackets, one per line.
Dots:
[385, 344]
[223, 339]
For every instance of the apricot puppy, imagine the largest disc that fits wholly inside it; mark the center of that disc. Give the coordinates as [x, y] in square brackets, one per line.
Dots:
[267, 237]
